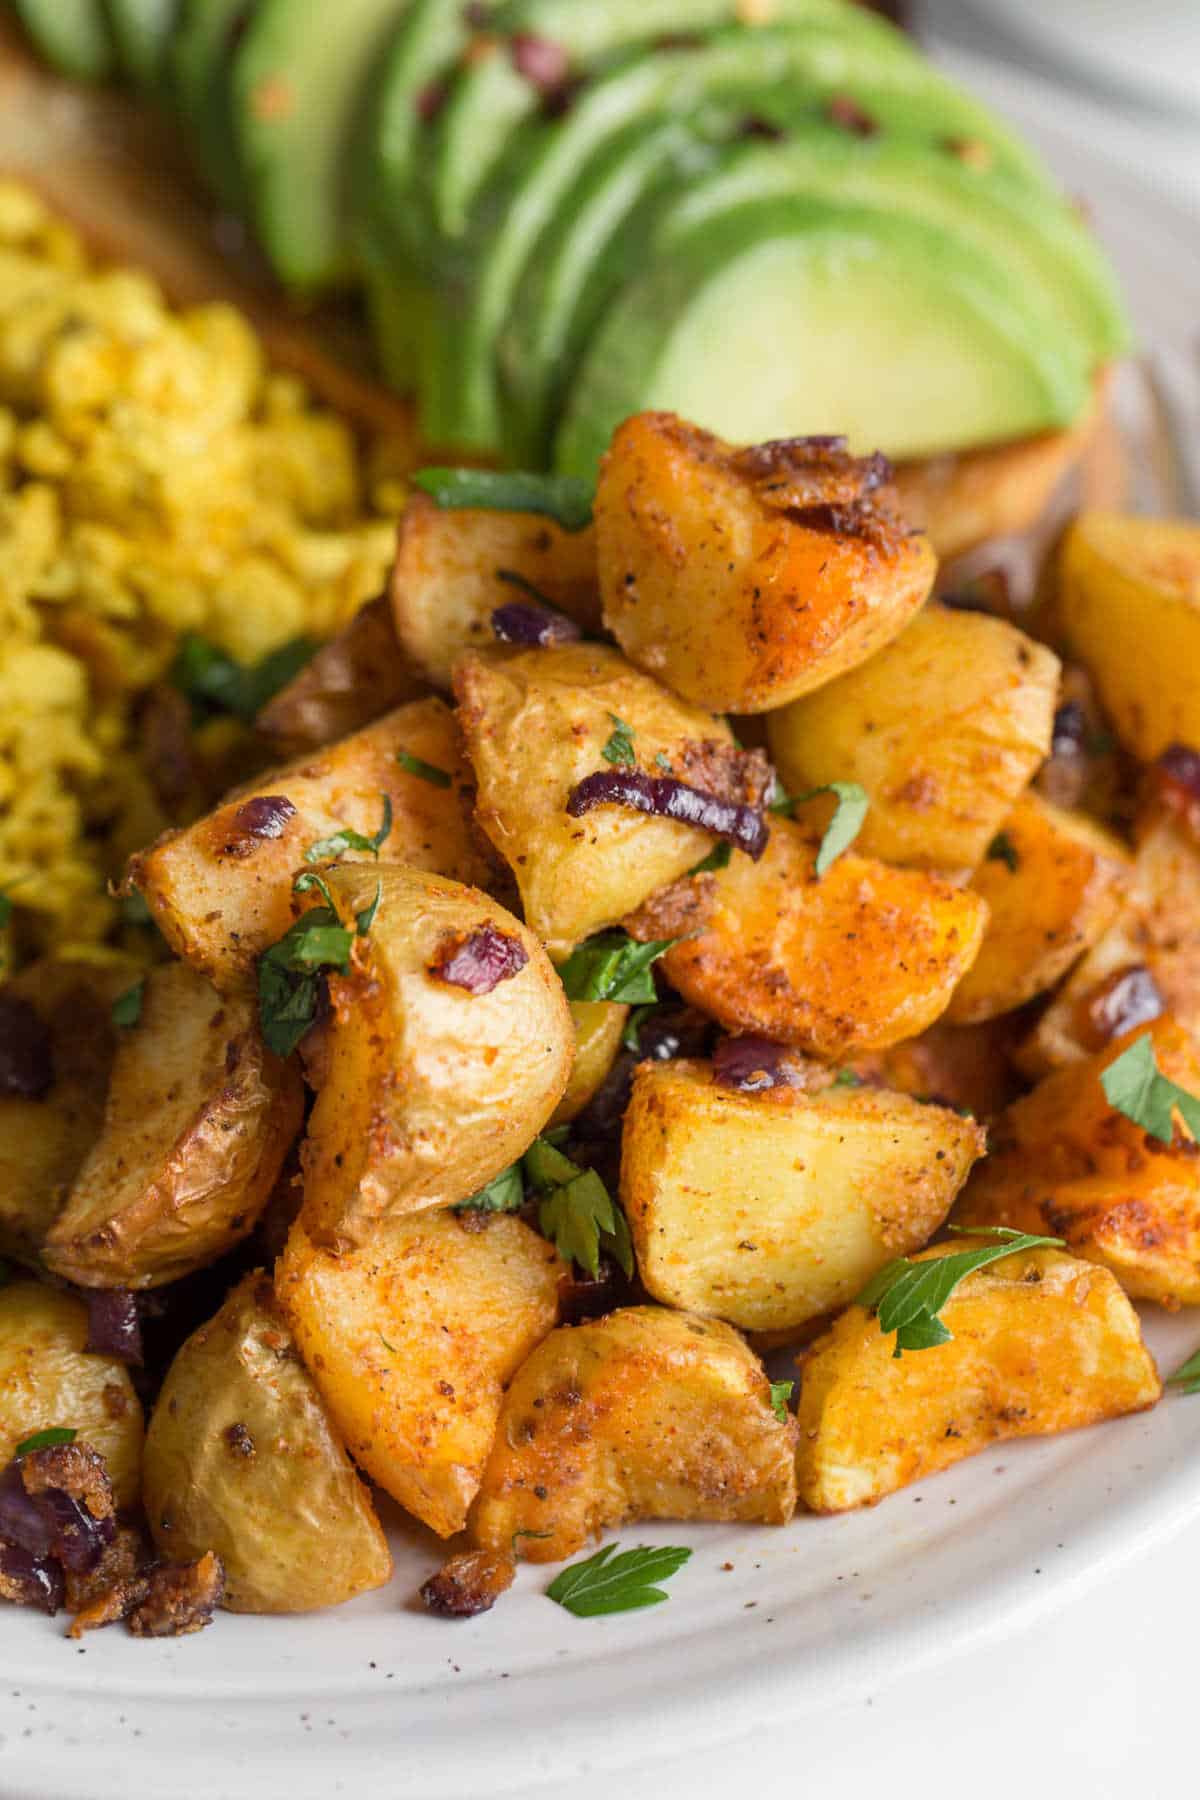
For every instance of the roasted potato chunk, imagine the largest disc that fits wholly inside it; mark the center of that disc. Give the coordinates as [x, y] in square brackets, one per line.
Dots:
[967, 1067]
[242, 1458]
[454, 568]
[199, 1118]
[744, 578]
[854, 961]
[1041, 1343]
[645, 1414]
[412, 1339]
[47, 1378]
[1128, 603]
[221, 889]
[769, 1209]
[351, 681]
[943, 728]
[1065, 1164]
[536, 724]
[428, 1087]
[1054, 882]
[599, 1026]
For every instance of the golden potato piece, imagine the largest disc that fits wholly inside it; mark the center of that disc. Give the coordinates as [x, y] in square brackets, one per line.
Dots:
[854, 961]
[599, 1026]
[351, 681]
[769, 1209]
[1065, 1164]
[1128, 603]
[199, 1118]
[944, 728]
[47, 1378]
[450, 576]
[412, 1339]
[645, 1414]
[536, 725]
[242, 1458]
[744, 578]
[426, 1089]
[1041, 1344]
[221, 889]
[1053, 882]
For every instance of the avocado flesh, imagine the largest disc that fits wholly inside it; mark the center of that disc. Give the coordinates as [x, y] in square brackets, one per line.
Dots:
[141, 30]
[196, 78]
[72, 35]
[792, 316]
[767, 70]
[298, 80]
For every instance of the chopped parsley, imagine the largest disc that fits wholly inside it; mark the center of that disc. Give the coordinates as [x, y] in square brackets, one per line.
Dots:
[290, 972]
[1002, 849]
[6, 910]
[611, 966]
[716, 860]
[849, 815]
[619, 748]
[127, 1007]
[908, 1296]
[567, 499]
[216, 683]
[416, 765]
[505, 1192]
[611, 1583]
[632, 1034]
[51, 1439]
[1187, 1376]
[1134, 1086]
[781, 1393]
[662, 761]
[576, 1211]
[846, 1078]
[326, 849]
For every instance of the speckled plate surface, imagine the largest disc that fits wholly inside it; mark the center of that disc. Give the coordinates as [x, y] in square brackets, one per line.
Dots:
[378, 1699]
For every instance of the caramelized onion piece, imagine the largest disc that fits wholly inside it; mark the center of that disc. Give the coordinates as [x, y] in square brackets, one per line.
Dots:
[745, 827]
[479, 960]
[114, 1327]
[536, 627]
[752, 1064]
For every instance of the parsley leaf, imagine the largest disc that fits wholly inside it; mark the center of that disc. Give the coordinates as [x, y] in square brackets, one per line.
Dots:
[608, 1583]
[717, 859]
[216, 683]
[631, 1036]
[1188, 1375]
[781, 1393]
[567, 499]
[505, 1192]
[908, 1295]
[611, 966]
[325, 849]
[619, 748]
[853, 803]
[6, 910]
[847, 1078]
[1133, 1085]
[290, 972]
[1002, 849]
[577, 1213]
[662, 761]
[127, 1007]
[50, 1439]
[416, 765]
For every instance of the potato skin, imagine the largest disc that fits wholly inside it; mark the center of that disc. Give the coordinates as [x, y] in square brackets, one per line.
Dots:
[446, 583]
[1064, 892]
[199, 1118]
[735, 604]
[47, 1378]
[221, 894]
[599, 1025]
[241, 1458]
[1041, 1344]
[1065, 1164]
[535, 725]
[411, 1340]
[944, 728]
[360, 674]
[425, 1091]
[770, 1209]
[856, 961]
[644, 1414]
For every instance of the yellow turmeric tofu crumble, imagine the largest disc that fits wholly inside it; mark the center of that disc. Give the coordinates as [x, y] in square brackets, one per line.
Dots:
[157, 479]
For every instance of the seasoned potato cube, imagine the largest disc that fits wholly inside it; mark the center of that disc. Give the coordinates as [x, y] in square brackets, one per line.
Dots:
[200, 1116]
[242, 1458]
[454, 568]
[351, 681]
[857, 960]
[412, 1339]
[599, 1026]
[1041, 1343]
[645, 1414]
[743, 578]
[769, 1209]
[535, 725]
[428, 1089]
[1053, 882]
[1065, 1164]
[221, 889]
[943, 728]
[1128, 603]
[47, 1378]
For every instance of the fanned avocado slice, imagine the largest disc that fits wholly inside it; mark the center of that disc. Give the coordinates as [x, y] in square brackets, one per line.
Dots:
[791, 316]
[141, 30]
[72, 35]
[197, 67]
[300, 81]
[631, 207]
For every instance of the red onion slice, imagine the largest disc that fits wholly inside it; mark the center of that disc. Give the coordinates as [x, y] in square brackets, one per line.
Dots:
[479, 960]
[750, 1065]
[38, 1580]
[537, 627]
[114, 1328]
[26, 1058]
[661, 796]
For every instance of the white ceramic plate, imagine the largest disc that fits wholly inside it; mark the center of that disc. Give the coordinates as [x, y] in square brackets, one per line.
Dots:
[377, 1698]
[1150, 50]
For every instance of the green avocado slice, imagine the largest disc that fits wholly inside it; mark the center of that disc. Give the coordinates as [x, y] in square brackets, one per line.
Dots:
[197, 65]
[300, 80]
[793, 316]
[142, 30]
[72, 35]
[767, 70]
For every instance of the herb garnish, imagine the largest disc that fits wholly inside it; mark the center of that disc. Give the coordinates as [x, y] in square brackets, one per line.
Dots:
[631, 1036]
[127, 1007]
[908, 1296]
[619, 748]
[847, 1078]
[611, 966]
[50, 1439]
[505, 1192]
[577, 1213]
[1187, 1376]
[6, 910]
[325, 849]
[416, 765]
[608, 1583]
[717, 859]
[290, 972]
[216, 683]
[1134, 1086]
[1002, 849]
[849, 815]
[781, 1393]
[662, 761]
[567, 499]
